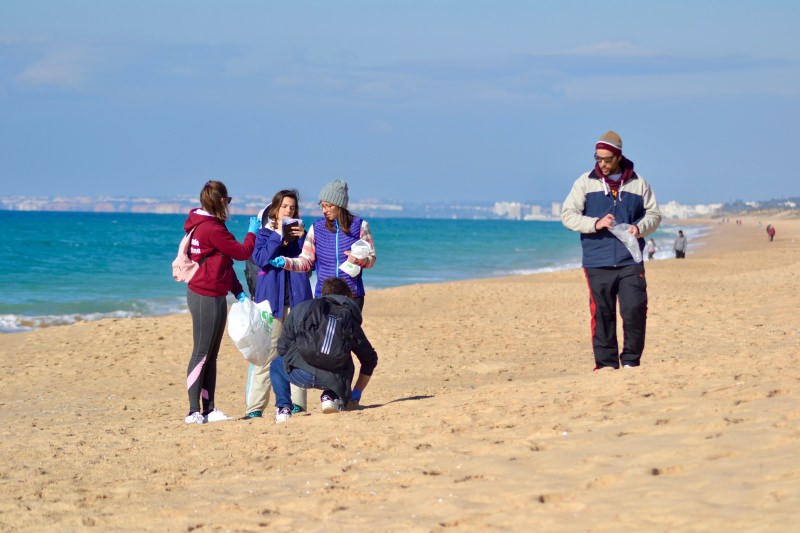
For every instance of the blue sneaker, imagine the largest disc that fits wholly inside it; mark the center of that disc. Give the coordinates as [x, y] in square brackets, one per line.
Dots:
[255, 414]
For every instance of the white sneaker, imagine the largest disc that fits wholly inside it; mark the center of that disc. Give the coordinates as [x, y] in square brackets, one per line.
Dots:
[282, 414]
[216, 416]
[330, 405]
[195, 418]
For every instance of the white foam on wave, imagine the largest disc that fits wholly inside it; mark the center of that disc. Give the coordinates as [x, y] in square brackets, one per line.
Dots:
[21, 323]
[540, 270]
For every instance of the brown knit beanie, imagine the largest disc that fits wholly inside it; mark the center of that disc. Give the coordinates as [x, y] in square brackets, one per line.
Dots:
[610, 141]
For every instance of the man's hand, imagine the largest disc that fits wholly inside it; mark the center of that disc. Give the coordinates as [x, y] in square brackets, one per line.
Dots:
[605, 222]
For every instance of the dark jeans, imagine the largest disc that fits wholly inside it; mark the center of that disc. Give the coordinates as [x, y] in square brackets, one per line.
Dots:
[606, 286]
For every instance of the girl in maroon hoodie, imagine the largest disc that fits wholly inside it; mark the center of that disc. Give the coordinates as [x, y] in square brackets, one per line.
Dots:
[215, 248]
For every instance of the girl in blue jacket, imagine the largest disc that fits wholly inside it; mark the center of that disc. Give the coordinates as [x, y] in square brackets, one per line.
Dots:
[281, 288]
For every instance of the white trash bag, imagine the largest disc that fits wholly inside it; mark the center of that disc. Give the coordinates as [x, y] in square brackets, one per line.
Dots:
[360, 250]
[250, 328]
[620, 231]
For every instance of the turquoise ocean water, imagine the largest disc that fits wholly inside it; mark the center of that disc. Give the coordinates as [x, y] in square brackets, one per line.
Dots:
[59, 268]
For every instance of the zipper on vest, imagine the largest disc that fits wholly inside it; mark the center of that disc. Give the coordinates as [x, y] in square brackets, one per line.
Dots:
[336, 265]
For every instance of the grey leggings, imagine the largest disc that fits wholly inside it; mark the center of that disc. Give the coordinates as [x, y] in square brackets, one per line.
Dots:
[209, 314]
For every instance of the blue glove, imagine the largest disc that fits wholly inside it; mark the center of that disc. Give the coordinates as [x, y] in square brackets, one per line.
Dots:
[255, 224]
[355, 396]
[278, 262]
[242, 296]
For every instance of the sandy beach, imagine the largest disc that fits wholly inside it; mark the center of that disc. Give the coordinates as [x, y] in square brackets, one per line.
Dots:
[483, 414]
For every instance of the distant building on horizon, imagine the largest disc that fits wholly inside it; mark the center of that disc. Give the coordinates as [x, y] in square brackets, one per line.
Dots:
[675, 210]
[252, 204]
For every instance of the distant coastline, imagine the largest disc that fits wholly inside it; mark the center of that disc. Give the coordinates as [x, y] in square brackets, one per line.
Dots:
[249, 205]
[509, 210]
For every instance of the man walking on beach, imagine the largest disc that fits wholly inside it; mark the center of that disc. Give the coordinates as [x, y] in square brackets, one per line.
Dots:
[680, 245]
[612, 193]
[322, 361]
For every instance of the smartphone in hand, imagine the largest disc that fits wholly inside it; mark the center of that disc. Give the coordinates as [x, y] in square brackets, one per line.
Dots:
[289, 224]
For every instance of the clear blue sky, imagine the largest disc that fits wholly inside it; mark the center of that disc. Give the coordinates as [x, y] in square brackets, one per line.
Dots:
[406, 100]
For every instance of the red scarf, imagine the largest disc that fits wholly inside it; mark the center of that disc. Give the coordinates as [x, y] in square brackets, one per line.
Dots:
[625, 166]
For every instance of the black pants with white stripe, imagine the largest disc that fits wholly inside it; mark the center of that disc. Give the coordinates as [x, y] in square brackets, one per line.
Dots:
[606, 286]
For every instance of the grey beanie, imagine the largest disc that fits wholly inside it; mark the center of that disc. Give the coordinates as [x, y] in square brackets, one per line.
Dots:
[335, 193]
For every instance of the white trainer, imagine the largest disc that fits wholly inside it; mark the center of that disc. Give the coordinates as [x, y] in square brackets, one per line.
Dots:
[330, 405]
[282, 414]
[195, 418]
[216, 416]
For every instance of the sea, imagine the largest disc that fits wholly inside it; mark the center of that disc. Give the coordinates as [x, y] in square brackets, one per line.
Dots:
[64, 267]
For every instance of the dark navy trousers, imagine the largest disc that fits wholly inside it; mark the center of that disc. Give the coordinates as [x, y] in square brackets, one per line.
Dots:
[607, 286]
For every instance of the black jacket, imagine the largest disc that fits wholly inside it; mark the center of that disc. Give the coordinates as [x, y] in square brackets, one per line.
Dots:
[337, 381]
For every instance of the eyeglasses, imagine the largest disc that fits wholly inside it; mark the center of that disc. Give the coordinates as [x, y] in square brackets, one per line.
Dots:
[326, 207]
[607, 160]
[229, 198]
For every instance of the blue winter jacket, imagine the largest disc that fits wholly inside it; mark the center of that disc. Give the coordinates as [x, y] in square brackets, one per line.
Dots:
[590, 200]
[271, 283]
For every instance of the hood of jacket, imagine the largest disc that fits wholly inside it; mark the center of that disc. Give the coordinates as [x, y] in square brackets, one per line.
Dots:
[625, 167]
[350, 303]
[196, 217]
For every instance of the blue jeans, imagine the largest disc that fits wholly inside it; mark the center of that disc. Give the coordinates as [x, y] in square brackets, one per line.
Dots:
[281, 379]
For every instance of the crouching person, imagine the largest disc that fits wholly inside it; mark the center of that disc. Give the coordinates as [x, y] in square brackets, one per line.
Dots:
[315, 346]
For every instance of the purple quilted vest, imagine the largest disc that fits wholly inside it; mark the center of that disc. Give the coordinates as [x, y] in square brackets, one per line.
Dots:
[330, 254]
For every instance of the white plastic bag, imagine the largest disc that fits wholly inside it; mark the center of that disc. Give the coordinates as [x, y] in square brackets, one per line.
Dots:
[620, 231]
[250, 328]
[360, 250]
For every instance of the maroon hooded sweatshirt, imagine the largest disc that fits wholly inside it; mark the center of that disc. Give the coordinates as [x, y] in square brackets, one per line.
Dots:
[213, 243]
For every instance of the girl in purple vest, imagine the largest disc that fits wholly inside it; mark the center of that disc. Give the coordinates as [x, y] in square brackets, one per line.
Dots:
[327, 244]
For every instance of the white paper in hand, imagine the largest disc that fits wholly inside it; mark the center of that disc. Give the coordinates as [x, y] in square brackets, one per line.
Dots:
[360, 250]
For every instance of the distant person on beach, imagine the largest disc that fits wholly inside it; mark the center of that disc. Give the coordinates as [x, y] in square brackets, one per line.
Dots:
[651, 249]
[281, 288]
[771, 232]
[612, 193]
[327, 244]
[215, 248]
[294, 367]
[680, 245]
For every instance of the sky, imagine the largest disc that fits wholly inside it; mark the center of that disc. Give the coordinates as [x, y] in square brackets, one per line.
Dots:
[416, 101]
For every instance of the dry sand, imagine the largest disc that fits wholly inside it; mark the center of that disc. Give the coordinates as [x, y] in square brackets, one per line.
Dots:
[483, 415]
